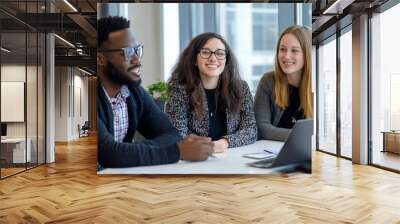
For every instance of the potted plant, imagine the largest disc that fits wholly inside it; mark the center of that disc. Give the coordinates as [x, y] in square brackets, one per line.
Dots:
[159, 92]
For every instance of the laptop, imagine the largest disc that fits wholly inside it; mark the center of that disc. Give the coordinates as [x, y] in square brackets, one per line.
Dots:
[295, 152]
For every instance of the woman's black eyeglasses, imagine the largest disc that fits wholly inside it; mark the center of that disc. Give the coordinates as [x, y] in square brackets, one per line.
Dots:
[206, 53]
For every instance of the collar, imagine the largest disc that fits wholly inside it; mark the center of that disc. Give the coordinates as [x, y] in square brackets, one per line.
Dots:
[123, 93]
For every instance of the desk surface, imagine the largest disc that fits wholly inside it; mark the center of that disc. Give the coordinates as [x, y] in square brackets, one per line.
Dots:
[13, 140]
[391, 132]
[231, 162]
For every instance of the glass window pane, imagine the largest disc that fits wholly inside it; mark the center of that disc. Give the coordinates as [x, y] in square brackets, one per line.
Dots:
[385, 84]
[257, 73]
[327, 96]
[346, 94]
[22, 76]
[230, 29]
[31, 97]
[14, 153]
[252, 32]
[41, 99]
[265, 30]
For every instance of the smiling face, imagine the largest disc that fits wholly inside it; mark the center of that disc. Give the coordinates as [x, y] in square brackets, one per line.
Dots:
[290, 56]
[212, 67]
[121, 69]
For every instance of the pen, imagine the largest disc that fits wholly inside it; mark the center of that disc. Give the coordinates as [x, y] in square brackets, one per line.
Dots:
[265, 150]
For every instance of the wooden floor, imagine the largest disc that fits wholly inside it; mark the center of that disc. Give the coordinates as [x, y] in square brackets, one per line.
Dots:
[387, 159]
[70, 191]
[10, 171]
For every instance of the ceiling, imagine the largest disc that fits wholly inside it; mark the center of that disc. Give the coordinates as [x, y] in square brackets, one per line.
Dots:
[75, 21]
[332, 15]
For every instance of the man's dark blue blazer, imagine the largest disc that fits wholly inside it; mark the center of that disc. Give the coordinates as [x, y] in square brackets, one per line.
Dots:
[160, 146]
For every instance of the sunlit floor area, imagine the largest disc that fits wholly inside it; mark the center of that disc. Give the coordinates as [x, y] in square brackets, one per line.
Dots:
[70, 191]
[346, 152]
[386, 159]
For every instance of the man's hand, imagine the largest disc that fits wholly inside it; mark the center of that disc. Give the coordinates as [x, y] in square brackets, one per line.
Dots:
[221, 145]
[195, 148]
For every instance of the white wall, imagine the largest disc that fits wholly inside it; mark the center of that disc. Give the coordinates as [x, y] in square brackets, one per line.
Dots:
[14, 73]
[69, 83]
[145, 23]
[61, 104]
[17, 73]
[80, 83]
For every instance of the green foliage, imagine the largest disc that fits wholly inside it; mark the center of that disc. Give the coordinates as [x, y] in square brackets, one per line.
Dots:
[158, 90]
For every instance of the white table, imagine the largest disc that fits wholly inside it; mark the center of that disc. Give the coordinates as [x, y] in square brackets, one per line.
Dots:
[231, 162]
[18, 149]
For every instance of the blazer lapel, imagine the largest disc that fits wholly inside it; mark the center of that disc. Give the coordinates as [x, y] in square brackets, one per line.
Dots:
[131, 119]
[108, 110]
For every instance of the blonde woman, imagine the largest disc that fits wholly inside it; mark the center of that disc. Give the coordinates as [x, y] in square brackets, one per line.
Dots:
[284, 95]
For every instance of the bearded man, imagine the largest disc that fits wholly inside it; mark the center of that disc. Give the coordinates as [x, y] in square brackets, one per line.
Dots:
[124, 107]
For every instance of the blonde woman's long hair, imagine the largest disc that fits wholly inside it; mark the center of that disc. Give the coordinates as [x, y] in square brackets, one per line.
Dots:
[303, 35]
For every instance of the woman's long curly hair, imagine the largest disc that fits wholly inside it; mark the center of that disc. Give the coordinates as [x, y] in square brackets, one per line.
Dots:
[186, 72]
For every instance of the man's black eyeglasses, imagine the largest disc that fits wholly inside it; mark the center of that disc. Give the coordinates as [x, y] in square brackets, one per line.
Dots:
[128, 52]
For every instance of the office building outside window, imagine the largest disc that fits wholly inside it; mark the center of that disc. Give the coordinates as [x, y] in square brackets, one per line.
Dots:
[258, 71]
[252, 30]
[265, 30]
[252, 37]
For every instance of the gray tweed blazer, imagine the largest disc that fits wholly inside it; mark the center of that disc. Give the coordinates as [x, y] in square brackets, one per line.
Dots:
[267, 112]
[241, 127]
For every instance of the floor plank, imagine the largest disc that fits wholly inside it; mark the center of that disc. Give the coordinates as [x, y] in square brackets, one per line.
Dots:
[69, 191]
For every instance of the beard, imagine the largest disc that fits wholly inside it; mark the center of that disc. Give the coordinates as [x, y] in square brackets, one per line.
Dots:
[117, 77]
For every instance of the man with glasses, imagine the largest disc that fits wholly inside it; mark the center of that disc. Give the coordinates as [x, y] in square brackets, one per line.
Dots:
[124, 107]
